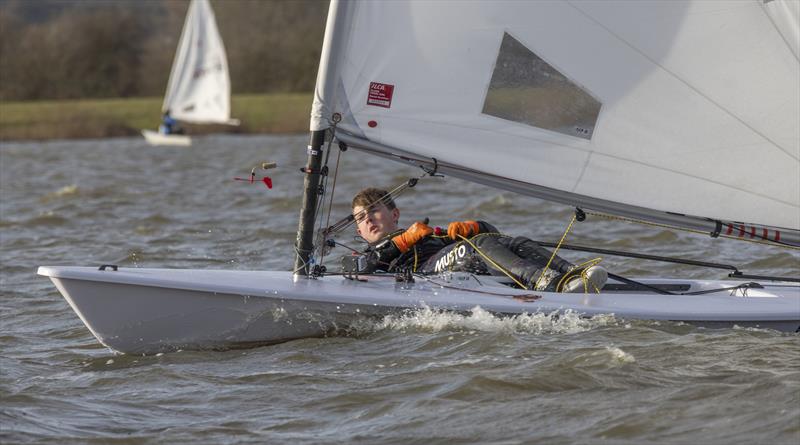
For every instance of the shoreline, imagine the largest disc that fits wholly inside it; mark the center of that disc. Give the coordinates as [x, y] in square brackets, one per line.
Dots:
[279, 113]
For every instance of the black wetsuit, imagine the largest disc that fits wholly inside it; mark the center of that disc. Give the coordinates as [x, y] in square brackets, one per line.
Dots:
[386, 257]
[488, 253]
[498, 254]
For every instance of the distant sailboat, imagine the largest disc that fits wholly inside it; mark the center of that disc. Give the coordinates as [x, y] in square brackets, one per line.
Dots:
[199, 87]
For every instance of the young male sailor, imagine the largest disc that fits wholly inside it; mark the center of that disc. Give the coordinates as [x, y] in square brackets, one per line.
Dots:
[469, 246]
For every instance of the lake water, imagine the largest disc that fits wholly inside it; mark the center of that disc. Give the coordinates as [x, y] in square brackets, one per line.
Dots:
[425, 378]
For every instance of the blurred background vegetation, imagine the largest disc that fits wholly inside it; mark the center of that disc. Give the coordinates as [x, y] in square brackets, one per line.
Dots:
[88, 49]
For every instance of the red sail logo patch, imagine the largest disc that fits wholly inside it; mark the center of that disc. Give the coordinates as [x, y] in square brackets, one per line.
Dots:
[380, 94]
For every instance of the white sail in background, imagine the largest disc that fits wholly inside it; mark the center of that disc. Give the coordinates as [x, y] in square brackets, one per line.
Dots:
[199, 87]
[648, 109]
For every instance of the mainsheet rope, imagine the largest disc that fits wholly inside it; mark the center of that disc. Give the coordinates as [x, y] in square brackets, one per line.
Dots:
[539, 284]
[582, 267]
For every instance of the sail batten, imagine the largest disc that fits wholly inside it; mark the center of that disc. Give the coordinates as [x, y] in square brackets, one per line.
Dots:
[647, 108]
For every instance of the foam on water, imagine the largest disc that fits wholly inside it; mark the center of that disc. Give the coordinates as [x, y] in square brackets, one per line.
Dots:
[433, 320]
[67, 190]
[619, 356]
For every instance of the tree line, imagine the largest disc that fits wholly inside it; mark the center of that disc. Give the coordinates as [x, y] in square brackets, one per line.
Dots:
[72, 49]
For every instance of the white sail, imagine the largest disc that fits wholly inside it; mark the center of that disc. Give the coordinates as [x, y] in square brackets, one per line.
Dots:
[199, 86]
[652, 109]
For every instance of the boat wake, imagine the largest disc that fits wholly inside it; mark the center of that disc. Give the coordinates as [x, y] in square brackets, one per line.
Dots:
[427, 319]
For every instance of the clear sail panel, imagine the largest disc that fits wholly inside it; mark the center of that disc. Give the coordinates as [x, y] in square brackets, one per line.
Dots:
[528, 90]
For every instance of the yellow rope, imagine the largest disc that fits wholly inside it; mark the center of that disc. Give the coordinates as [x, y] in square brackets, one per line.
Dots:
[561, 241]
[583, 267]
[485, 257]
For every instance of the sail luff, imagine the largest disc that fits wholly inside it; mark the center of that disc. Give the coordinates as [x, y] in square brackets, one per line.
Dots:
[331, 58]
[179, 62]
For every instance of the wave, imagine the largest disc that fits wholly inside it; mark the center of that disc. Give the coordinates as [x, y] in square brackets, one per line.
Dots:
[48, 219]
[427, 319]
[67, 191]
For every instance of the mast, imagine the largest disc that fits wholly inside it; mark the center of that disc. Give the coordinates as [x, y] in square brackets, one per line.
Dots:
[311, 191]
[322, 118]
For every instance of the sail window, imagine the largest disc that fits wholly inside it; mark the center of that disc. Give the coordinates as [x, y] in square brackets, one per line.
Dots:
[528, 90]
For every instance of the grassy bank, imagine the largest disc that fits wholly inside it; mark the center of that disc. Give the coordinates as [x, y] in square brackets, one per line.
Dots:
[259, 113]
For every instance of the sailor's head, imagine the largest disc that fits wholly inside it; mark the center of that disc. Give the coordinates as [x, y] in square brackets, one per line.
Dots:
[376, 214]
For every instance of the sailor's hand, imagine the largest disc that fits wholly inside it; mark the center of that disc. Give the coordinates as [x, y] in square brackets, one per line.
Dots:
[466, 229]
[411, 236]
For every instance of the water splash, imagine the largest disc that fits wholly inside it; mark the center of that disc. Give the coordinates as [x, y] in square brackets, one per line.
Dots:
[478, 319]
[619, 356]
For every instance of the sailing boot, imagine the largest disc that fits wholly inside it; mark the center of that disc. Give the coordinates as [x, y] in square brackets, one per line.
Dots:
[547, 278]
[586, 280]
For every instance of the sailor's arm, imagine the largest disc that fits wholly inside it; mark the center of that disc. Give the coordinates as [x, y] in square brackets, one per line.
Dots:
[390, 249]
[381, 255]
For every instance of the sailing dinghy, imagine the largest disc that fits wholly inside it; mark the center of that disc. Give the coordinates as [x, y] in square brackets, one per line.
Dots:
[199, 87]
[682, 114]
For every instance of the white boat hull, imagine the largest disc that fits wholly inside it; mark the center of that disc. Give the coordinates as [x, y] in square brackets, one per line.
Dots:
[142, 311]
[160, 139]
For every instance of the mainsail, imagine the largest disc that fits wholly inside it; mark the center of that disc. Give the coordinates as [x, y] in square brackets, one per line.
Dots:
[680, 112]
[199, 87]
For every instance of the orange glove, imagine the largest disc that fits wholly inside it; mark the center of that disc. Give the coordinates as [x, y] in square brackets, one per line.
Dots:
[407, 239]
[455, 230]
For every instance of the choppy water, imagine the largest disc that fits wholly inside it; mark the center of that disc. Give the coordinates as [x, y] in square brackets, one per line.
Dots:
[423, 378]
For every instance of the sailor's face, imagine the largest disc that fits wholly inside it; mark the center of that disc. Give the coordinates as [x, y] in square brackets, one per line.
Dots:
[376, 222]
